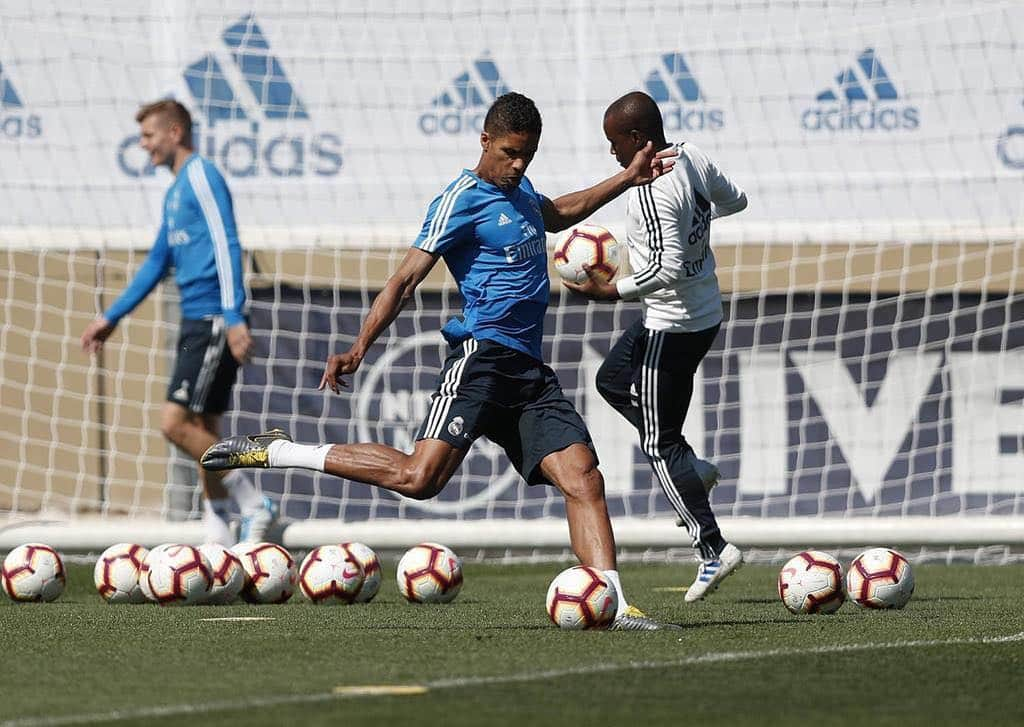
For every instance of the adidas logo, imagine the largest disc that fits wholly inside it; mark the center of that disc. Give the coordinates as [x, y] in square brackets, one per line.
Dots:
[683, 105]
[460, 108]
[244, 83]
[260, 71]
[863, 98]
[14, 123]
[504, 219]
[876, 85]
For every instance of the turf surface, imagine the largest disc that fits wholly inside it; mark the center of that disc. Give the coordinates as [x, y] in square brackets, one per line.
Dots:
[492, 658]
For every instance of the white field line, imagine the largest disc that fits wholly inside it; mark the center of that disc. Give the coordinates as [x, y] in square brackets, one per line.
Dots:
[471, 681]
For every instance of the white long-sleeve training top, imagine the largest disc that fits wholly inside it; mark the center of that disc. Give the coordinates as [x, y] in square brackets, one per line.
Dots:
[668, 227]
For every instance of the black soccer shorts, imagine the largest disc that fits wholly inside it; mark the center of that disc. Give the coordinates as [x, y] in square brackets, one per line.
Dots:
[487, 389]
[205, 370]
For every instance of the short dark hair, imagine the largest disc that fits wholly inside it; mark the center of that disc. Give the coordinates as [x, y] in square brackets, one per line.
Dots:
[512, 113]
[173, 112]
[638, 111]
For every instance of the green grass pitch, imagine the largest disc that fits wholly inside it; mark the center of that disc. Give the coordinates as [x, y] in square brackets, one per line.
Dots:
[954, 655]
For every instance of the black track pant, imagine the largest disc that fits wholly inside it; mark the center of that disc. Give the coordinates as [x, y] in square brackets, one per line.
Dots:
[648, 378]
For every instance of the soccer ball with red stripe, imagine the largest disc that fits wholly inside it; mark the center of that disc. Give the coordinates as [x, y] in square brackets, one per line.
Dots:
[811, 582]
[116, 573]
[228, 574]
[586, 245]
[582, 597]
[370, 563]
[330, 574]
[270, 572]
[429, 573]
[33, 572]
[880, 578]
[180, 576]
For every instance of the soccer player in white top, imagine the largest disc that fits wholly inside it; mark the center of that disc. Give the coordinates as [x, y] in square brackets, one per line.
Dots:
[198, 239]
[648, 375]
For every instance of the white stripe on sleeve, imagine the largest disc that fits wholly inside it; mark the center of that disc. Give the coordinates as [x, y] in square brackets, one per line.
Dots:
[219, 235]
[444, 212]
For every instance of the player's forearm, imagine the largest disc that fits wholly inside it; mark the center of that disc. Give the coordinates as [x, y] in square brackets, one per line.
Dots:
[629, 288]
[386, 307]
[233, 303]
[576, 206]
[141, 286]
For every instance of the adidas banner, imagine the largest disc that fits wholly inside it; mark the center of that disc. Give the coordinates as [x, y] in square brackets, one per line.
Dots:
[336, 127]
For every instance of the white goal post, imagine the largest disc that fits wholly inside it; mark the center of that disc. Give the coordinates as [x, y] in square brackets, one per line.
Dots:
[867, 386]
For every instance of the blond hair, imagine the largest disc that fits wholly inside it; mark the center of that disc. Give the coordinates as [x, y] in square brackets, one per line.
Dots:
[173, 112]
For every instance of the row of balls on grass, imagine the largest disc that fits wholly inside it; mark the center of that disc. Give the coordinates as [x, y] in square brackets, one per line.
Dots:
[580, 597]
[813, 581]
[177, 575]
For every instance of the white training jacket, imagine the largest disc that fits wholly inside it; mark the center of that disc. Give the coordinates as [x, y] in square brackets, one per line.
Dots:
[668, 226]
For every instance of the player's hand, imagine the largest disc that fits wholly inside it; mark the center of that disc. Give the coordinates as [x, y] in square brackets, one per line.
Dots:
[594, 287]
[338, 365]
[95, 334]
[648, 165]
[240, 342]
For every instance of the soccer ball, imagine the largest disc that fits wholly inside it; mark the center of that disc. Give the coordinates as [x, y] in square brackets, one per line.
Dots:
[116, 574]
[180, 576]
[228, 574]
[429, 573]
[582, 597]
[880, 578]
[33, 572]
[154, 555]
[370, 564]
[586, 245]
[329, 574]
[811, 582]
[270, 572]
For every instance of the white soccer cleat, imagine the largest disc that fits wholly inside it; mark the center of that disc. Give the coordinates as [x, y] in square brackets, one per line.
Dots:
[254, 528]
[711, 573]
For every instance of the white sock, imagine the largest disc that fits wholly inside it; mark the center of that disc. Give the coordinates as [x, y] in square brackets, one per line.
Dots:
[243, 492]
[613, 576]
[215, 522]
[289, 454]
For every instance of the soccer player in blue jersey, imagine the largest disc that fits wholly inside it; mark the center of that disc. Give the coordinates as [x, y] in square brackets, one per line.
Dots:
[198, 239]
[489, 227]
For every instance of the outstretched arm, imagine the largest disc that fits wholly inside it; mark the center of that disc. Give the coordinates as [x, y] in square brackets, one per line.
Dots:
[386, 307]
[565, 211]
[150, 273]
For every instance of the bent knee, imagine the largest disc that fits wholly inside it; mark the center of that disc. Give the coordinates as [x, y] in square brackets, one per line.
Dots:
[421, 485]
[586, 483]
[172, 429]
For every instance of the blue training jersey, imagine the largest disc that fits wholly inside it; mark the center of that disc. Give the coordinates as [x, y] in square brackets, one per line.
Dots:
[493, 243]
[199, 239]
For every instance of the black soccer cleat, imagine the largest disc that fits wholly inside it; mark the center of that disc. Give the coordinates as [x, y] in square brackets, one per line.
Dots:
[242, 451]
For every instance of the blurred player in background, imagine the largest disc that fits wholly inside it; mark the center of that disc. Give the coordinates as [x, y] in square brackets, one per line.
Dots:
[489, 227]
[198, 239]
[648, 375]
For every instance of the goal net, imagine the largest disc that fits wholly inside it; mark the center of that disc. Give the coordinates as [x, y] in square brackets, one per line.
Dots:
[867, 386]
